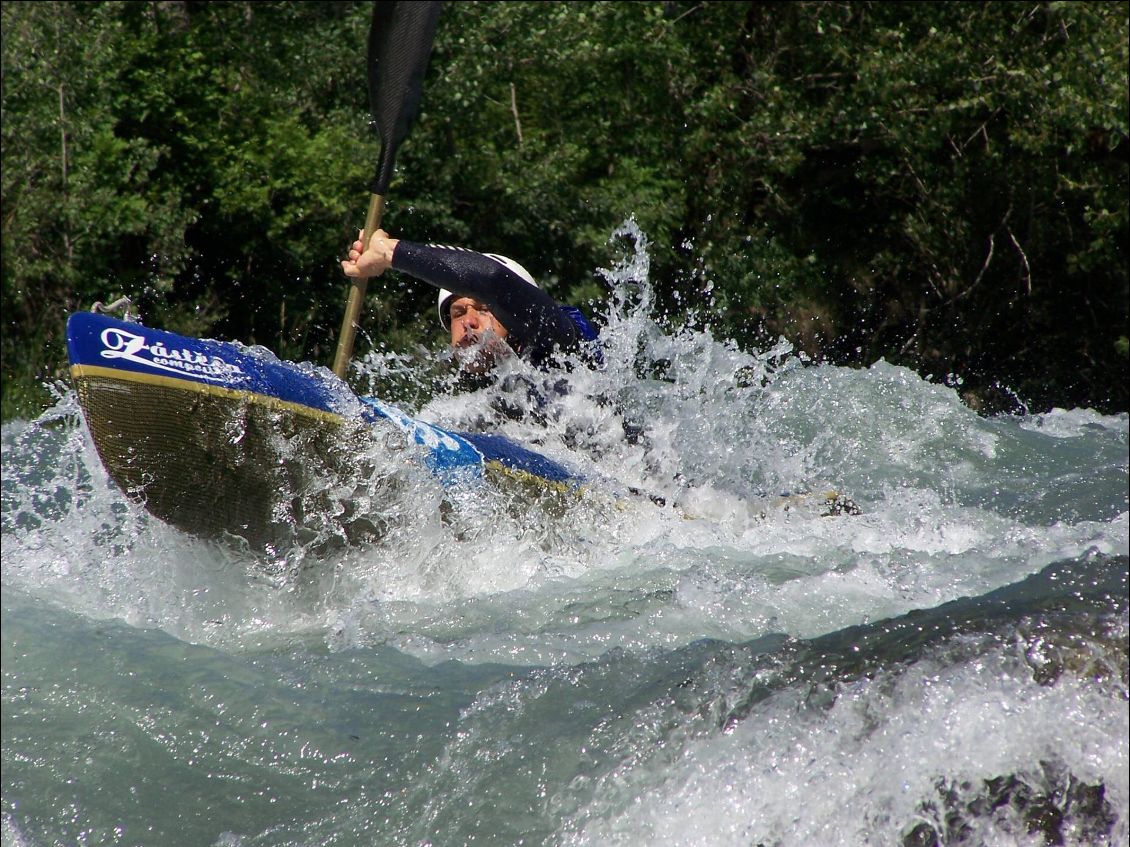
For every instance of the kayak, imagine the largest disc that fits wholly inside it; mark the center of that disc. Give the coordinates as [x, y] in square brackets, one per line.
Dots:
[225, 441]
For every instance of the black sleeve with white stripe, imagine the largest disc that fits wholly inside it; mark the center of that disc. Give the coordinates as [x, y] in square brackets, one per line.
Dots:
[532, 318]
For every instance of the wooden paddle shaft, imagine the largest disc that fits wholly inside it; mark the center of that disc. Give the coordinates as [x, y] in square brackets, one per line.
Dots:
[357, 290]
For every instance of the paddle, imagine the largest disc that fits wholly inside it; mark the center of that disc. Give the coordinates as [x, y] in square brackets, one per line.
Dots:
[400, 43]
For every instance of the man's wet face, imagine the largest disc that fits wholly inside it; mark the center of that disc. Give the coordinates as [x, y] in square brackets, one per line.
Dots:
[476, 335]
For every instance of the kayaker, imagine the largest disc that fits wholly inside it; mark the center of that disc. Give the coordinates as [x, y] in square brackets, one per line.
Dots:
[490, 304]
[493, 309]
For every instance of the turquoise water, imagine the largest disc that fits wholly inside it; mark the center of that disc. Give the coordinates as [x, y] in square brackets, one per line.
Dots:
[948, 667]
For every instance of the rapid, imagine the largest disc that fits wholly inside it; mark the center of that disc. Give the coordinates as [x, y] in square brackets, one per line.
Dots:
[720, 658]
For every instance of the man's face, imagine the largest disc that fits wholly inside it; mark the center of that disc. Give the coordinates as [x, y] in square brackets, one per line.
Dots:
[476, 335]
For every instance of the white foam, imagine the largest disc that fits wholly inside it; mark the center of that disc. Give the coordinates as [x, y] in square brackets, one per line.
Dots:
[870, 766]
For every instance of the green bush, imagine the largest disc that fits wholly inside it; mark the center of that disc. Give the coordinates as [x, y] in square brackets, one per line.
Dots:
[940, 184]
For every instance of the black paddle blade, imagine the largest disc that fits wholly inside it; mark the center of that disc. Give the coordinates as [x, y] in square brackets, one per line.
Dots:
[400, 43]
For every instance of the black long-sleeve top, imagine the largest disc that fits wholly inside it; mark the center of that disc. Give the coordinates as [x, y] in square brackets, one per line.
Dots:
[536, 325]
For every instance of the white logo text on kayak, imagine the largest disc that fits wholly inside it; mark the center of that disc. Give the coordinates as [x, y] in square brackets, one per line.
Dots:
[131, 347]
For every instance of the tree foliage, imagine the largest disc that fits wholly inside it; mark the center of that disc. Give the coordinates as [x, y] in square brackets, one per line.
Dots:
[941, 184]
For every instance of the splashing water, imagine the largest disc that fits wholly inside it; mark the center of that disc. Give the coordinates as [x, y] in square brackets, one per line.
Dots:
[729, 667]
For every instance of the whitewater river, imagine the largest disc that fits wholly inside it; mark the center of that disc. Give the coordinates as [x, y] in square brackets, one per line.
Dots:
[729, 668]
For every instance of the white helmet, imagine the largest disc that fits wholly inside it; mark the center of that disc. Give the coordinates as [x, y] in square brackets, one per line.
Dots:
[445, 296]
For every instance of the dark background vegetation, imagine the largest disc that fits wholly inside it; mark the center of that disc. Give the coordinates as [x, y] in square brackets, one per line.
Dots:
[943, 185]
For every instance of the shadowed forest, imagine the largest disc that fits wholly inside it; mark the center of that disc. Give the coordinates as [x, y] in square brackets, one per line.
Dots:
[940, 185]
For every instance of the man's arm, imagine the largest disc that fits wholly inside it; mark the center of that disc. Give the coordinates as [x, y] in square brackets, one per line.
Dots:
[532, 318]
[534, 322]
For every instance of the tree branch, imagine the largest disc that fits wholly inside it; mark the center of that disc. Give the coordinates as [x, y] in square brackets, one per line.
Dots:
[1024, 259]
[514, 110]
